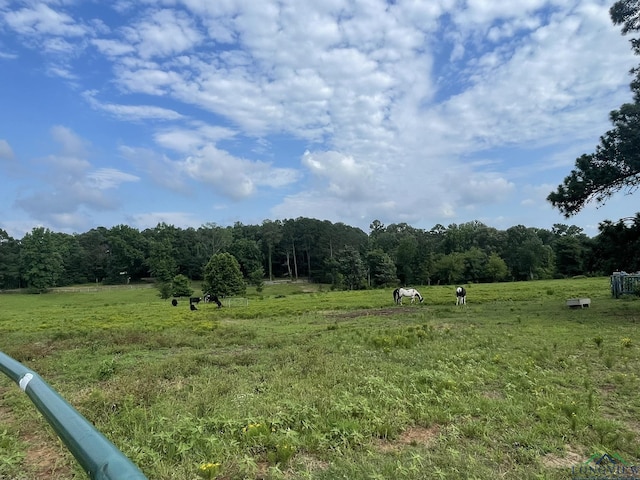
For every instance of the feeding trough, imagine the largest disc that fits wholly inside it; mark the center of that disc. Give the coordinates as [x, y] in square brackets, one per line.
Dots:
[578, 302]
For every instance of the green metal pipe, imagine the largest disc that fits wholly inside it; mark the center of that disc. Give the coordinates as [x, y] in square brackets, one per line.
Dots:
[100, 458]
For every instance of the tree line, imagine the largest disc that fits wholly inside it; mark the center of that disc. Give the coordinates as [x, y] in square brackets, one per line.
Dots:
[320, 251]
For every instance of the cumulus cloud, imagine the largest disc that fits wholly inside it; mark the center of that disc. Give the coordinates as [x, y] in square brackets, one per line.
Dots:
[41, 19]
[106, 178]
[152, 219]
[234, 177]
[164, 32]
[190, 137]
[347, 179]
[159, 168]
[70, 186]
[6, 153]
[131, 112]
[360, 109]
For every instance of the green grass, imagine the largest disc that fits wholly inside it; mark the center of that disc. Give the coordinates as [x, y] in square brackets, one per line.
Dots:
[305, 382]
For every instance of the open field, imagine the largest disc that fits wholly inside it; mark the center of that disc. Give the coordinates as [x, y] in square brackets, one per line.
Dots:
[303, 382]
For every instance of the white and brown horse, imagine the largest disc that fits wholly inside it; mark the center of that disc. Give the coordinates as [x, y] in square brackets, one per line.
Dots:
[398, 293]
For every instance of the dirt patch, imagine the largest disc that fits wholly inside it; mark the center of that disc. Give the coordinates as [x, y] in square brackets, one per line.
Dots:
[414, 436]
[378, 312]
[310, 463]
[570, 458]
[493, 395]
[46, 458]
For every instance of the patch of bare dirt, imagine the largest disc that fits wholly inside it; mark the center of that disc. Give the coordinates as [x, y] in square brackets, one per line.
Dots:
[414, 436]
[379, 312]
[45, 456]
[568, 460]
[493, 395]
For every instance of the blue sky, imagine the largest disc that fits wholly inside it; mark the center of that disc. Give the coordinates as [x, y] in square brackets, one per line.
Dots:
[196, 111]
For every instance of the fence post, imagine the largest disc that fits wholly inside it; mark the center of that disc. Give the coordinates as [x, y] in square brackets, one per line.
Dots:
[100, 458]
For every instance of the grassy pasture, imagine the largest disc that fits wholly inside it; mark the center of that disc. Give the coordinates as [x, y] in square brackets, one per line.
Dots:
[304, 382]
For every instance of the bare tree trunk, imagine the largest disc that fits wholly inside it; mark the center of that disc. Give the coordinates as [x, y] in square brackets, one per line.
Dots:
[295, 261]
[289, 266]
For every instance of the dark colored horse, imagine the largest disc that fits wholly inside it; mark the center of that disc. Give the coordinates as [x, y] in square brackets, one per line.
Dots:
[209, 297]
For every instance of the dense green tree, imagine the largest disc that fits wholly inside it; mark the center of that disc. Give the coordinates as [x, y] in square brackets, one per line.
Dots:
[247, 253]
[425, 267]
[449, 269]
[615, 164]
[569, 256]
[74, 259]
[526, 255]
[271, 236]
[312, 247]
[352, 270]
[256, 278]
[165, 290]
[181, 286]
[41, 260]
[475, 262]
[222, 276]
[617, 246]
[126, 255]
[496, 269]
[10, 261]
[162, 261]
[383, 238]
[213, 239]
[190, 259]
[95, 247]
[406, 259]
[289, 238]
[382, 270]
[570, 248]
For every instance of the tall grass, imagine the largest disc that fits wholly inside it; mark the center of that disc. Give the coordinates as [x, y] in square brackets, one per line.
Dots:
[305, 382]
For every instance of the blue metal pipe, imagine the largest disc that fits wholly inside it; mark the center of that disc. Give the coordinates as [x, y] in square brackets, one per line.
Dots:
[100, 458]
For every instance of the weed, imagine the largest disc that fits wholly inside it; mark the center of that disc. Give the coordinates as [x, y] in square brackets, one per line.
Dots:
[106, 369]
[209, 470]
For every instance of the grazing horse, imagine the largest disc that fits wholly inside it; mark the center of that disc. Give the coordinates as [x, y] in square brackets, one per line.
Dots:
[398, 293]
[209, 297]
[461, 296]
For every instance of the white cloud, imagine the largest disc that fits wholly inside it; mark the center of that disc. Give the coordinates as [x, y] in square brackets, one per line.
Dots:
[347, 179]
[132, 112]
[152, 219]
[192, 136]
[43, 20]
[163, 33]
[404, 109]
[157, 167]
[6, 153]
[106, 178]
[112, 48]
[234, 177]
[7, 56]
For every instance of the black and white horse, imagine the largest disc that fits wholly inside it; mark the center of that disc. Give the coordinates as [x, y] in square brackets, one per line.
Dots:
[209, 297]
[398, 293]
[461, 296]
